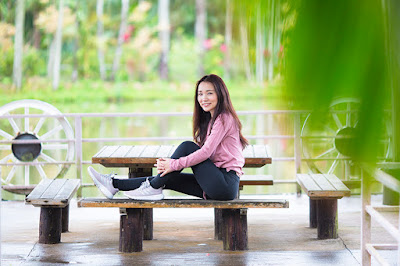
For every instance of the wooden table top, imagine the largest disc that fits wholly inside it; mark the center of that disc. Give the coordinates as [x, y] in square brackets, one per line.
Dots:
[144, 156]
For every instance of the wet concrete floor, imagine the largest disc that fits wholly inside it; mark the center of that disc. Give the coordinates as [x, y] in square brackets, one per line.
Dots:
[186, 237]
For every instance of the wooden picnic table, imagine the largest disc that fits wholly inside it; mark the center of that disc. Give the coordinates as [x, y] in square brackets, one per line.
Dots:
[144, 156]
[140, 160]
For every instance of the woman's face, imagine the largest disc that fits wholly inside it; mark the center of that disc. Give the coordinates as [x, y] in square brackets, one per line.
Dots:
[207, 97]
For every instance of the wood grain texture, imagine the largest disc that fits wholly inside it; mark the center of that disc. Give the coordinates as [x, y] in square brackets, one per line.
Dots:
[144, 156]
[53, 192]
[183, 203]
[254, 180]
[322, 186]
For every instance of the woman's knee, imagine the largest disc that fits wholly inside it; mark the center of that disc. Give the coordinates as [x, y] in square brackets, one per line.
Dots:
[184, 149]
[189, 144]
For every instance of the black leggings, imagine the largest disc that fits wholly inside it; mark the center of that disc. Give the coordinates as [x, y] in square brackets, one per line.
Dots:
[216, 183]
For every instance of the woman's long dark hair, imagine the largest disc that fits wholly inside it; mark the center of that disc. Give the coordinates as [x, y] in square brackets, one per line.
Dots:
[201, 119]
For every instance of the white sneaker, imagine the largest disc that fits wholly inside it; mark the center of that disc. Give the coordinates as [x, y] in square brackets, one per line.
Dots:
[103, 182]
[145, 192]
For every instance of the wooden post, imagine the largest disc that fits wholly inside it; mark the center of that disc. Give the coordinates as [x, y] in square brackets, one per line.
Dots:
[65, 219]
[147, 213]
[327, 219]
[50, 225]
[218, 224]
[234, 229]
[365, 218]
[147, 224]
[131, 231]
[313, 213]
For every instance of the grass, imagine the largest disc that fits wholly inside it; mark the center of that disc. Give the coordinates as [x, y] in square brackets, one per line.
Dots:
[98, 91]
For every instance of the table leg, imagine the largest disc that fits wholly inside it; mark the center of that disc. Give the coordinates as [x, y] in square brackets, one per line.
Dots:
[131, 231]
[147, 213]
[218, 224]
[65, 219]
[50, 225]
[313, 213]
[234, 229]
[327, 219]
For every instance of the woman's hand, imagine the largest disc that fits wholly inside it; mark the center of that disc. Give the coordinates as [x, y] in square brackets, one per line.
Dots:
[163, 166]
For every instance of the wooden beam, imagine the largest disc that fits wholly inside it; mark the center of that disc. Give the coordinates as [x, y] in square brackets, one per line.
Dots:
[183, 203]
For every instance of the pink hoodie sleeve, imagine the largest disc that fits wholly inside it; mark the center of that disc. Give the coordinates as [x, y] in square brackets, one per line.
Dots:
[218, 132]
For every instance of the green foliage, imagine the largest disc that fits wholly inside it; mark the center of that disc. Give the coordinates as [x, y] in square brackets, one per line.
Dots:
[34, 63]
[6, 63]
[183, 61]
[337, 49]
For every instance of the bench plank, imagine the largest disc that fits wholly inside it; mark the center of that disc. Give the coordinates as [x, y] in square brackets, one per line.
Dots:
[142, 156]
[53, 192]
[53, 189]
[68, 190]
[322, 182]
[322, 186]
[150, 151]
[254, 180]
[260, 151]
[307, 183]
[136, 151]
[108, 151]
[183, 203]
[248, 152]
[100, 151]
[39, 189]
[337, 183]
[173, 148]
[122, 151]
[164, 151]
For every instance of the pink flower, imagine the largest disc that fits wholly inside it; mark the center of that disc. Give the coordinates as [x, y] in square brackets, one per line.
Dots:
[223, 48]
[208, 44]
[126, 36]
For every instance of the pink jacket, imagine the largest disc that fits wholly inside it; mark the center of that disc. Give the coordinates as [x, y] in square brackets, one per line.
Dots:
[222, 147]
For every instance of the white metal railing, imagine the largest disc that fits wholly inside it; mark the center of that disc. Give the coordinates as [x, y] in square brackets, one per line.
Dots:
[370, 213]
[79, 140]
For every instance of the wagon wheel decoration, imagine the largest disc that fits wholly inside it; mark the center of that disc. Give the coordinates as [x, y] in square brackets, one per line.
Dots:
[26, 164]
[326, 144]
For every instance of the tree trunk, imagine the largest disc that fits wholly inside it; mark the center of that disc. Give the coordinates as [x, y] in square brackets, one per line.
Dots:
[18, 44]
[245, 49]
[271, 36]
[228, 39]
[201, 32]
[50, 61]
[58, 46]
[164, 35]
[122, 30]
[260, 46]
[74, 76]
[100, 41]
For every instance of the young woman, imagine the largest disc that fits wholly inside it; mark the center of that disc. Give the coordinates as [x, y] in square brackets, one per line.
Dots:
[215, 157]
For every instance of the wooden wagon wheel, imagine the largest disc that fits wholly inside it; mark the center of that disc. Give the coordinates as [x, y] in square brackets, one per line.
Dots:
[326, 145]
[23, 168]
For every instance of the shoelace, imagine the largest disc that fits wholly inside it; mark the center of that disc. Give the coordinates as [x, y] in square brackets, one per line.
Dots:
[108, 176]
[144, 185]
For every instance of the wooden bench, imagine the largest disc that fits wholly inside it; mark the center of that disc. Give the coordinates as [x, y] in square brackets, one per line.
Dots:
[53, 197]
[234, 217]
[140, 160]
[324, 190]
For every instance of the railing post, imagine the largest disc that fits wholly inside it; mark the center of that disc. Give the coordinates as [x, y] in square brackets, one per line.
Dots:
[297, 148]
[78, 150]
[365, 218]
